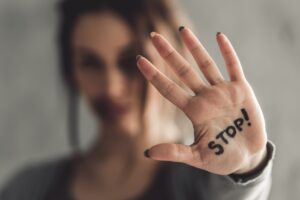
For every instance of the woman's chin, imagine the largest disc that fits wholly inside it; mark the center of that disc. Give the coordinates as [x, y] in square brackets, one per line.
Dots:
[128, 129]
[125, 126]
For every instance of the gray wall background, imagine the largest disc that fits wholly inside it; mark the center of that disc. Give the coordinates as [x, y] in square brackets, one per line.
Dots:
[265, 34]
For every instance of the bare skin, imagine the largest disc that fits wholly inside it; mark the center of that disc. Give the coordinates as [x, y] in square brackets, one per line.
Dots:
[214, 105]
[115, 160]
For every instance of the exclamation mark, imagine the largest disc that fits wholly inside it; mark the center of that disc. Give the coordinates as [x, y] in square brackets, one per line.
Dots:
[244, 112]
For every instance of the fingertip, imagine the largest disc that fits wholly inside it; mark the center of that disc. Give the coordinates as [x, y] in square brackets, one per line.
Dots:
[153, 34]
[220, 36]
[145, 67]
[189, 38]
[146, 153]
[223, 37]
[181, 28]
[138, 57]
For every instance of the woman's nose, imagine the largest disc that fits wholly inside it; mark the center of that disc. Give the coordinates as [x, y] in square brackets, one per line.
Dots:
[114, 84]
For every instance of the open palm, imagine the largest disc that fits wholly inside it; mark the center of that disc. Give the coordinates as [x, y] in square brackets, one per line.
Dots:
[229, 128]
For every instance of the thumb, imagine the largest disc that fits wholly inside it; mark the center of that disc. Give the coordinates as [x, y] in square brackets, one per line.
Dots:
[170, 152]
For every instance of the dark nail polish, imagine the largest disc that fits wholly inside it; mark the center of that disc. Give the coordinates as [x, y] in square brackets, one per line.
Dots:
[181, 28]
[146, 153]
[218, 33]
[138, 57]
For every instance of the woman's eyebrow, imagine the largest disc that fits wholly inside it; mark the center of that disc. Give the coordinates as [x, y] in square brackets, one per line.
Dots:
[86, 50]
[129, 49]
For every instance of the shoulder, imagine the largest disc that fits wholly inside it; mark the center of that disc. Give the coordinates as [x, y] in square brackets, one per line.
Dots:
[33, 178]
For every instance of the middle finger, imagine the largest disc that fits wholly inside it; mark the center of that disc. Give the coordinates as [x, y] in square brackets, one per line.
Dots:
[181, 67]
[201, 56]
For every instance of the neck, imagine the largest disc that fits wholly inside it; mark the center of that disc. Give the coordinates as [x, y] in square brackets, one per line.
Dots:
[117, 156]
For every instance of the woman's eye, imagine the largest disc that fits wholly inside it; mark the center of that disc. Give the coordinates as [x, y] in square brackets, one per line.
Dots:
[128, 65]
[91, 62]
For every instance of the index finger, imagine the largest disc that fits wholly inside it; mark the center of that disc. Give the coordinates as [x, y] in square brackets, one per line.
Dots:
[177, 62]
[201, 56]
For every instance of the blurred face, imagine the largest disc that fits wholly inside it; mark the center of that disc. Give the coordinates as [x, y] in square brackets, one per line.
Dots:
[105, 71]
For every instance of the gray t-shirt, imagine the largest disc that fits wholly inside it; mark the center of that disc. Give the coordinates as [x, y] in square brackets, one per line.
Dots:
[173, 181]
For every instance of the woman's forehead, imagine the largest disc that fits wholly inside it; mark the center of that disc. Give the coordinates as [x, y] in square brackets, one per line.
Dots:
[104, 32]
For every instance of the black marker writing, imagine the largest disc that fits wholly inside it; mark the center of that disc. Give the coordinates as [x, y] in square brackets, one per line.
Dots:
[213, 145]
[238, 123]
[230, 132]
[221, 135]
[245, 115]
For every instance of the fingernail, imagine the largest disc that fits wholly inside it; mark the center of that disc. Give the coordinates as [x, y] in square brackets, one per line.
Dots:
[138, 57]
[181, 28]
[218, 33]
[152, 34]
[146, 153]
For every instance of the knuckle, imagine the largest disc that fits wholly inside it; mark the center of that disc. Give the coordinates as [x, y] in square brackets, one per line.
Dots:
[207, 63]
[218, 80]
[183, 70]
[154, 76]
[230, 62]
[167, 91]
[235, 93]
[195, 48]
[169, 54]
[198, 155]
[227, 53]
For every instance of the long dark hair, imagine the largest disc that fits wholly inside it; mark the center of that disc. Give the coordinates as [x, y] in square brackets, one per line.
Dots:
[141, 16]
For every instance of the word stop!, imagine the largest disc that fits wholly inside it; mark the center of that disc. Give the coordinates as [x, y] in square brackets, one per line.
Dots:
[229, 132]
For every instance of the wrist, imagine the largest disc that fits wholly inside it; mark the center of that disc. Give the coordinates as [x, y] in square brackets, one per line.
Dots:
[257, 162]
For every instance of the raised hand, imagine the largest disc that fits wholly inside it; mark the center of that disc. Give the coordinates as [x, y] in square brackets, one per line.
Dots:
[229, 127]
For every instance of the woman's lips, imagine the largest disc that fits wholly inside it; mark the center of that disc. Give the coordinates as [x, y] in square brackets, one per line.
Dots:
[105, 108]
[116, 110]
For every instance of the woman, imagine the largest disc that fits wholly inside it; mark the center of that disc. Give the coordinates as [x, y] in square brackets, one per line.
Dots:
[135, 100]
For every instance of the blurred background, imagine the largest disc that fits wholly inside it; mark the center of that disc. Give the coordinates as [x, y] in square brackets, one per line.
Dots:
[33, 106]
